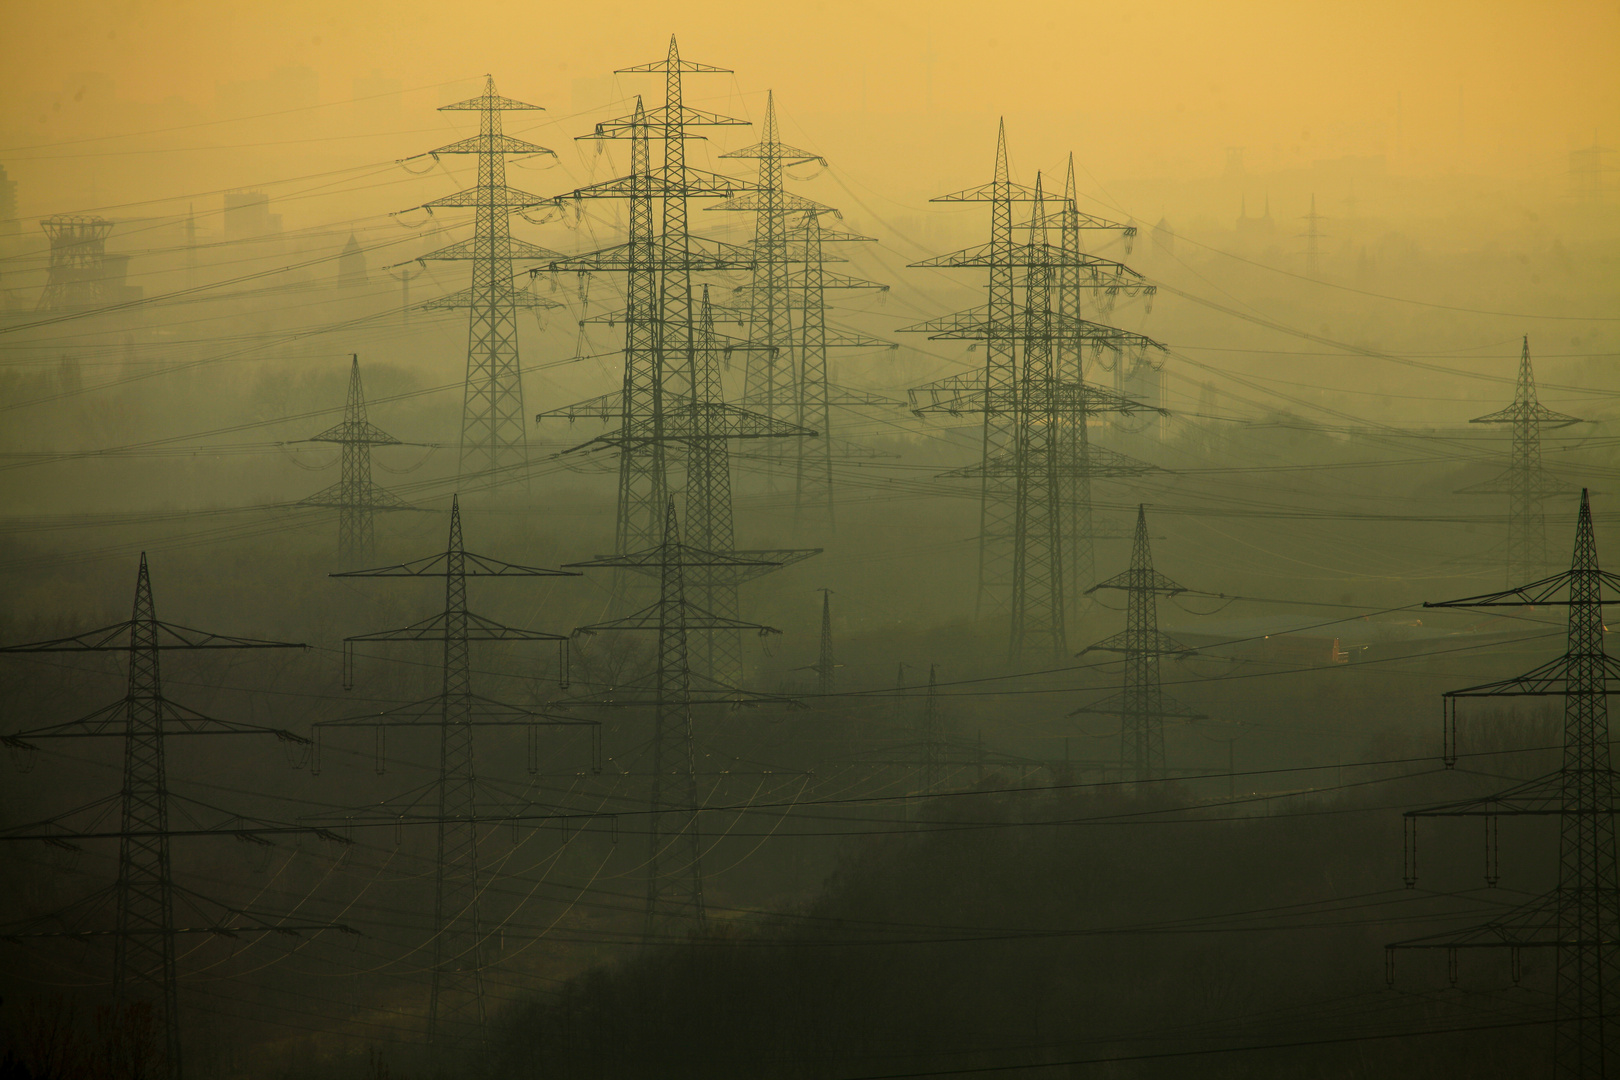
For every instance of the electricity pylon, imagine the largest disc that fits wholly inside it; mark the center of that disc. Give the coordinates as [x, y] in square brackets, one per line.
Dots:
[1079, 462]
[1142, 705]
[1313, 235]
[670, 404]
[456, 1008]
[826, 665]
[932, 736]
[146, 893]
[1524, 483]
[493, 439]
[354, 496]
[786, 374]
[1005, 326]
[1580, 918]
[674, 851]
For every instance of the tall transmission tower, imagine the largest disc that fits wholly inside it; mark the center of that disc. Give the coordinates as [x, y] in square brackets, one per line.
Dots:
[670, 403]
[1022, 504]
[674, 845]
[826, 665]
[1524, 483]
[456, 1006]
[786, 376]
[1580, 918]
[1313, 237]
[932, 736]
[146, 894]
[77, 278]
[1079, 462]
[356, 499]
[493, 438]
[1142, 705]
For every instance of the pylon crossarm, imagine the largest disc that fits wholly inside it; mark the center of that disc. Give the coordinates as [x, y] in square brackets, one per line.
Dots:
[363, 432]
[684, 555]
[475, 566]
[1115, 704]
[608, 406]
[1140, 579]
[429, 712]
[696, 618]
[977, 324]
[771, 561]
[504, 198]
[169, 636]
[982, 256]
[992, 192]
[1079, 219]
[1551, 679]
[1538, 593]
[1543, 796]
[700, 253]
[1532, 412]
[488, 101]
[702, 185]
[479, 144]
[1534, 924]
[438, 628]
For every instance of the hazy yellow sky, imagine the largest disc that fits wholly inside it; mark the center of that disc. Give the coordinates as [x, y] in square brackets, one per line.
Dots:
[1503, 87]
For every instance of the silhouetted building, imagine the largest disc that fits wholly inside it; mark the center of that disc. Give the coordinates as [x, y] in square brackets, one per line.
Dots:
[352, 264]
[248, 216]
[1262, 226]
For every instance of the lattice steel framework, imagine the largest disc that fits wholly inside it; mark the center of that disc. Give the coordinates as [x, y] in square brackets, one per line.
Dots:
[1023, 504]
[1078, 461]
[674, 896]
[77, 278]
[1525, 483]
[456, 1008]
[1142, 705]
[1580, 918]
[146, 893]
[493, 438]
[356, 499]
[671, 400]
[786, 375]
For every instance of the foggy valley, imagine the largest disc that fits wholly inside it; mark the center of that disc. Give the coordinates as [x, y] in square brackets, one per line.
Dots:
[1057, 543]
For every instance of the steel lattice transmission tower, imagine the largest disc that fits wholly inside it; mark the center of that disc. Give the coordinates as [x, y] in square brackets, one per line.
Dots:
[354, 496]
[674, 844]
[1079, 461]
[1524, 483]
[786, 377]
[1580, 918]
[1142, 705]
[826, 665]
[670, 405]
[493, 438]
[932, 732]
[456, 1008]
[146, 893]
[1027, 399]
